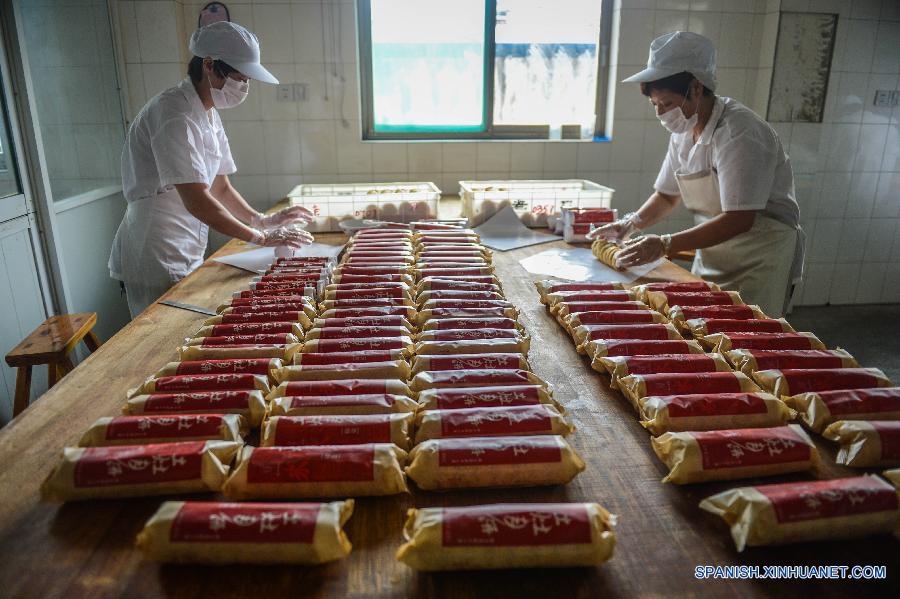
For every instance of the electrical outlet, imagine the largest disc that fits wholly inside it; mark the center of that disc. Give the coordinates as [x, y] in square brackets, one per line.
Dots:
[300, 92]
[882, 97]
[284, 93]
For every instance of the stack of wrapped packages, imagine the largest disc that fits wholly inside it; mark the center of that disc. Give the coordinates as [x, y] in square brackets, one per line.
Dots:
[718, 383]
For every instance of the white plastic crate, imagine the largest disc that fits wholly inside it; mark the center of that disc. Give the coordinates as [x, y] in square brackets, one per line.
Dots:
[397, 202]
[533, 200]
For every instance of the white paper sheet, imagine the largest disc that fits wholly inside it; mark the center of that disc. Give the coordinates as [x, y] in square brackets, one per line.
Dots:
[504, 231]
[257, 260]
[579, 264]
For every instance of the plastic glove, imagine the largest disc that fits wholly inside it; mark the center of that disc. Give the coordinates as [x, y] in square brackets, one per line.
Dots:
[286, 216]
[641, 250]
[619, 230]
[282, 236]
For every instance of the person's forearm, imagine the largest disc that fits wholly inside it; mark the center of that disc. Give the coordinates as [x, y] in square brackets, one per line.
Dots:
[657, 207]
[233, 201]
[204, 207]
[713, 232]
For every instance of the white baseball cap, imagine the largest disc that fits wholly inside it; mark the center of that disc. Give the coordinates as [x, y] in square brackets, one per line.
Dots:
[677, 52]
[232, 44]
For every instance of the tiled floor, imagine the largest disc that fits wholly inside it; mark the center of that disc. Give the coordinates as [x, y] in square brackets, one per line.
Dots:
[870, 333]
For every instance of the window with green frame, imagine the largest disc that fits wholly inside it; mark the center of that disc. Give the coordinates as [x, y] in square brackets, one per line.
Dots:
[483, 69]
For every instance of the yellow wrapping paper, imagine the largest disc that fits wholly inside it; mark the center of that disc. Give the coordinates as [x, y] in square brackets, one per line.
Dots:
[284, 339]
[547, 286]
[473, 346]
[486, 397]
[507, 536]
[514, 360]
[722, 343]
[659, 301]
[309, 308]
[250, 405]
[424, 316]
[584, 344]
[283, 352]
[635, 386]
[390, 386]
[202, 382]
[778, 383]
[541, 419]
[134, 430]
[744, 360]
[172, 368]
[342, 405]
[338, 430]
[814, 411]
[396, 369]
[302, 320]
[315, 346]
[657, 418]
[599, 349]
[373, 321]
[617, 366]
[441, 379]
[677, 316]
[865, 444]
[247, 533]
[698, 326]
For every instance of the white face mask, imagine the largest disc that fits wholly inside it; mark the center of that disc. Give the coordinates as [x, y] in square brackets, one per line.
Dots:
[232, 93]
[675, 121]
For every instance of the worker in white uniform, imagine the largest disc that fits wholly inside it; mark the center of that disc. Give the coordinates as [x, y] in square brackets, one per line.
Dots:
[175, 168]
[728, 167]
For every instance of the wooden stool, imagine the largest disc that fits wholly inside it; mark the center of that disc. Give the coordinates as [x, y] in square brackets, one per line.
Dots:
[50, 344]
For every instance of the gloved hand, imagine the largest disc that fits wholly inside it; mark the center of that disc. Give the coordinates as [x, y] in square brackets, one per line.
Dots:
[619, 230]
[294, 237]
[642, 250]
[286, 216]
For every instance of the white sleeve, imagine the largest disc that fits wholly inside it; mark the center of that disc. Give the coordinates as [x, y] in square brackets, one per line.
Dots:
[746, 162]
[177, 150]
[226, 164]
[665, 180]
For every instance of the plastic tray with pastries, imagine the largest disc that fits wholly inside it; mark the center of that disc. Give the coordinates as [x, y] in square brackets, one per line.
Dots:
[253, 328]
[260, 317]
[342, 405]
[724, 342]
[260, 366]
[344, 429]
[439, 283]
[819, 409]
[700, 327]
[458, 398]
[749, 361]
[673, 286]
[590, 295]
[586, 334]
[362, 302]
[425, 316]
[358, 278]
[497, 322]
[498, 361]
[356, 332]
[794, 381]
[473, 346]
[251, 405]
[188, 383]
[464, 294]
[393, 369]
[319, 346]
[526, 535]
[540, 419]
[486, 377]
[341, 387]
[866, 443]
[348, 357]
[807, 511]
[712, 411]
[250, 533]
[284, 352]
[606, 251]
[547, 286]
[681, 314]
[637, 386]
[139, 470]
[622, 366]
[397, 320]
[564, 309]
[479, 462]
[664, 301]
[167, 428]
[703, 456]
[601, 348]
[317, 471]
[407, 312]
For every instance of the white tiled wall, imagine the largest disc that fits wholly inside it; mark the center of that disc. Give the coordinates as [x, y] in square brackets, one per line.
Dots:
[846, 168]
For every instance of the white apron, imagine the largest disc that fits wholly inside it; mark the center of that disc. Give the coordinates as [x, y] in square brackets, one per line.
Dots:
[762, 264]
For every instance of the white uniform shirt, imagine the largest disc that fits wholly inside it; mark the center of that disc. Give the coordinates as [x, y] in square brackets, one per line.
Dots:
[744, 151]
[174, 140]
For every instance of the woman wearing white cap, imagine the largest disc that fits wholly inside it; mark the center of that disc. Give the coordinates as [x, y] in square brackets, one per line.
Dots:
[175, 168]
[729, 168]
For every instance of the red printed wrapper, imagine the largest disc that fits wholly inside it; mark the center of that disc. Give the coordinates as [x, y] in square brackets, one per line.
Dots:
[625, 316]
[589, 296]
[377, 293]
[360, 332]
[342, 387]
[538, 419]
[371, 302]
[360, 357]
[712, 411]
[450, 285]
[203, 382]
[337, 430]
[439, 379]
[424, 296]
[485, 397]
[394, 369]
[707, 326]
[749, 361]
[260, 317]
[262, 339]
[637, 386]
[564, 309]
[343, 405]
[249, 404]
[629, 347]
[680, 314]
[261, 366]
[509, 361]
[356, 344]
[787, 382]
[397, 320]
[822, 408]
[467, 334]
[471, 323]
[723, 342]
[662, 301]
[407, 312]
[140, 430]
[866, 444]
[622, 366]
[588, 333]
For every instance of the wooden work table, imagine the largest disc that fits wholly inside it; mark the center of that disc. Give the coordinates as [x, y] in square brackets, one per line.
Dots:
[87, 549]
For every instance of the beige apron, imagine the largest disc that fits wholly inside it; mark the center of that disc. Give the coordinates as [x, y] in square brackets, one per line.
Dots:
[762, 264]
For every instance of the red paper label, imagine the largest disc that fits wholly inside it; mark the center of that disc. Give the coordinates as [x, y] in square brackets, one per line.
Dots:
[139, 464]
[474, 422]
[451, 285]
[741, 312]
[500, 450]
[465, 304]
[486, 397]
[333, 430]
[475, 362]
[798, 358]
[245, 340]
[214, 401]
[795, 502]
[694, 382]
[312, 464]
[249, 366]
[702, 298]
[163, 427]
[474, 378]
[714, 404]
[593, 215]
[367, 302]
[581, 229]
[370, 312]
[362, 357]
[616, 316]
[372, 321]
[718, 325]
[556, 288]
[625, 331]
[738, 448]
[516, 526]
[252, 328]
[370, 344]
[670, 363]
[588, 307]
[646, 348]
[769, 341]
[361, 332]
[205, 382]
[889, 434]
[862, 401]
[466, 334]
[270, 307]
[219, 522]
[272, 319]
[806, 380]
[341, 387]
[473, 323]
[384, 400]
[369, 293]
[595, 296]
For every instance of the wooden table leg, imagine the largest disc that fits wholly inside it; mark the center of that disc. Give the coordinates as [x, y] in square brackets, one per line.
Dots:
[52, 374]
[92, 341]
[64, 366]
[23, 389]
